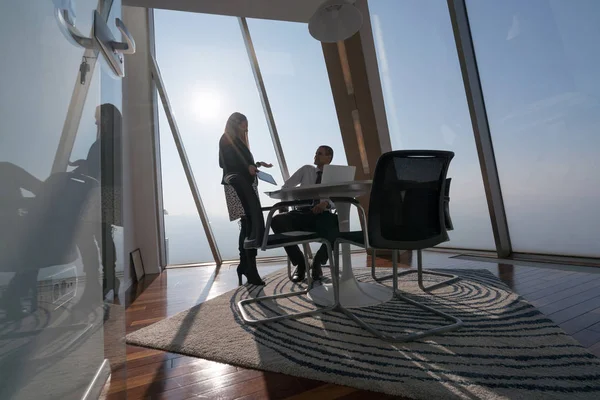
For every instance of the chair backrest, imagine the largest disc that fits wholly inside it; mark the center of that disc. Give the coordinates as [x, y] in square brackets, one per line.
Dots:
[406, 208]
[252, 209]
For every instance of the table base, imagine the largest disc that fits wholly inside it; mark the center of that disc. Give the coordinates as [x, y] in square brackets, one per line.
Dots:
[353, 294]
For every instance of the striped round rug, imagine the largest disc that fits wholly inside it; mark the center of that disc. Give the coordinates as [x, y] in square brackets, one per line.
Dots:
[506, 349]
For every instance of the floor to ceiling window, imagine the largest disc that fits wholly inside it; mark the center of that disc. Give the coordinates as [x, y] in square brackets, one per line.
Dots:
[538, 62]
[185, 239]
[207, 76]
[297, 83]
[426, 106]
[296, 80]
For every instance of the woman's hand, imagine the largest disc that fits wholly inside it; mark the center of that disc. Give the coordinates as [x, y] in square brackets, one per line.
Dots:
[263, 164]
[252, 170]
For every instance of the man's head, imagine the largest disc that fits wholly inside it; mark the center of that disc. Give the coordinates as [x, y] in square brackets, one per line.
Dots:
[323, 156]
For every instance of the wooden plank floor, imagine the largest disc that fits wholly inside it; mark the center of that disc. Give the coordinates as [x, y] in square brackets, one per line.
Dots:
[572, 299]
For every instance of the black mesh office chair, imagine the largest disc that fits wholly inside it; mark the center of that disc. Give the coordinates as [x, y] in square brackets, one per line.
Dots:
[406, 212]
[258, 237]
[452, 278]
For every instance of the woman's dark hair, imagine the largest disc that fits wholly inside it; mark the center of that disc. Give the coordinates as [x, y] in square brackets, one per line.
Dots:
[232, 127]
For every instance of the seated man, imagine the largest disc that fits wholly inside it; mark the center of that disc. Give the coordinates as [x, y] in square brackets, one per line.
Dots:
[314, 218]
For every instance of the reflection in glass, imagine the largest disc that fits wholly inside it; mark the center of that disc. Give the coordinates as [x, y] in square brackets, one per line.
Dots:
[211, 79]
[54, 273]
[426, 105]
[538, 63]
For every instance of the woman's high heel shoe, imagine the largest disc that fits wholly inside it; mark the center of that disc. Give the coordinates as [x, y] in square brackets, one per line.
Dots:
[255, 279]
[252, 279]
[252, 276]
[240, 271]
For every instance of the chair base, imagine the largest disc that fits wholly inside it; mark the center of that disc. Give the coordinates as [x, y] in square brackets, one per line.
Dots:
[336, 306]
[408, 337]
[419, 271]
[456, 322]
[250, 321]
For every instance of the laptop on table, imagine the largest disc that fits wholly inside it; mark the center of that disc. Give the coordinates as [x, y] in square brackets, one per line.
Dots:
[337, 174]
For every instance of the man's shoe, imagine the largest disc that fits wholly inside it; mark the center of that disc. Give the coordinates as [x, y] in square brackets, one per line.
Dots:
[299, 274]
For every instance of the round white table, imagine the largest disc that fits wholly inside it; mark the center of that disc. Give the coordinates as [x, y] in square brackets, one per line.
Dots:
[353, 294]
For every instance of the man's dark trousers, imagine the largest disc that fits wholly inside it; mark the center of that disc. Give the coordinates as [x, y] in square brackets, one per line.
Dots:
[324, 224]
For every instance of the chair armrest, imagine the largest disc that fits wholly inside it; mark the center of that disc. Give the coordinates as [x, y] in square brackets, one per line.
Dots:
[273, 209]
[361, 213]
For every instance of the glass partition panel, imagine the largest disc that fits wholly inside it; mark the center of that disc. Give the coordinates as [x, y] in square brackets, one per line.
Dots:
[426, 106]
[538, 62]
[61, 330]
[184, 234]
[207, 76]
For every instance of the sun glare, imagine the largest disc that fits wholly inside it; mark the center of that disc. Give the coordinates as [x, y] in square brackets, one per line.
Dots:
[206, 104]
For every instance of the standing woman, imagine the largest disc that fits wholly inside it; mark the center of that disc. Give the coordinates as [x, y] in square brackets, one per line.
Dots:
[235, 158]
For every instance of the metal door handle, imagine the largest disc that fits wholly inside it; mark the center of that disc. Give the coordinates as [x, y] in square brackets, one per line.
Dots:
[129, 46]
[66, 20]
[67, 23]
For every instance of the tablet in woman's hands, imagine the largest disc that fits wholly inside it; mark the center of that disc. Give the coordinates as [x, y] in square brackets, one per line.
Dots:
[263, 176]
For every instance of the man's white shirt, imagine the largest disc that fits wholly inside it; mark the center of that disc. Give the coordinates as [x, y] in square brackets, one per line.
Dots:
[306, 175]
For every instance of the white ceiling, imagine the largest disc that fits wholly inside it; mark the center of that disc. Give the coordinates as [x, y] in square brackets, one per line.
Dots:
[285, 10]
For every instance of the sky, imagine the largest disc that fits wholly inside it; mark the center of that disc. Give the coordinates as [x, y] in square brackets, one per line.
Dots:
[537, 60]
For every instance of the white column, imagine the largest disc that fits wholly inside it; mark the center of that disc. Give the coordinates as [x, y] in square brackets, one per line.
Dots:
[142, 197]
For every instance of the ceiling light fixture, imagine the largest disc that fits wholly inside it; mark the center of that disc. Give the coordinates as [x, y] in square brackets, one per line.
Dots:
[335, 20]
